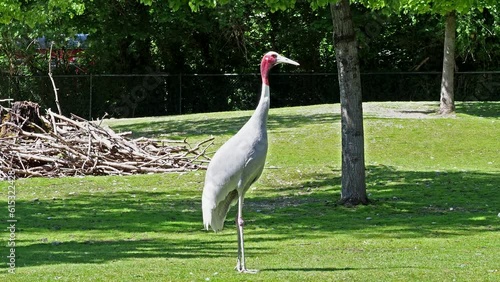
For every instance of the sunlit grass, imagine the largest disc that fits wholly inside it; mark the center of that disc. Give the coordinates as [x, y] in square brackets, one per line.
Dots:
[433, 183]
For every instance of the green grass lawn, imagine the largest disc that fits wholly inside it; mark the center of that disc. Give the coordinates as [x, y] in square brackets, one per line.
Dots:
[433, 182]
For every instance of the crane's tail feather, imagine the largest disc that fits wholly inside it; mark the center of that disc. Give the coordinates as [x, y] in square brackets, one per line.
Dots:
[214, 214]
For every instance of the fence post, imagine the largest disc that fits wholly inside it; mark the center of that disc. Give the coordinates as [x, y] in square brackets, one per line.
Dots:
[90, 98]
[10, 90]
[180, 93]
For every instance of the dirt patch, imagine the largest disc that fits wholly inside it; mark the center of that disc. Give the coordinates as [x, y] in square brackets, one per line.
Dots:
[415, 110]
[409, 110]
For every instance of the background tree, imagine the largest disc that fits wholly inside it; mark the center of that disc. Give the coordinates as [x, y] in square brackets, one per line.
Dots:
[449, 10]
[447, 100]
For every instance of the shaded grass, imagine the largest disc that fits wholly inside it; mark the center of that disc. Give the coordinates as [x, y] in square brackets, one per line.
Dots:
[479, 109]
[432, 219]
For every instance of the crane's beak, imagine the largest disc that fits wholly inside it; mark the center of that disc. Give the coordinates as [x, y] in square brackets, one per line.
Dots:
[284, 60]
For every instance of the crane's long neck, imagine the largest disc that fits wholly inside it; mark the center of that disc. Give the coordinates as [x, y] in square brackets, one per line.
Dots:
[260, 113]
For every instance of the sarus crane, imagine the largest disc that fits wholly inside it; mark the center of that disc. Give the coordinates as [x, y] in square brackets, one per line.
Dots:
[239, 163]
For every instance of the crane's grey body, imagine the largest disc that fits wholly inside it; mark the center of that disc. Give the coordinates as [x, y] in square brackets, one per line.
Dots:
[238, 164]
[235, 167]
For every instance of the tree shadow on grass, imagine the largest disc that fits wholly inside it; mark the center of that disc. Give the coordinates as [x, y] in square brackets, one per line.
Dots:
[406, 204]
[480, 109]
[109, 250]
[100, 227]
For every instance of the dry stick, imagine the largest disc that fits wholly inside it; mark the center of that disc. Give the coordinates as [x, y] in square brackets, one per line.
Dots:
[105, 115]
[94, 166]
[162, 141]
[3, 160]
[66, 119]
[20, 161]
[52, 79]
[54, 125]
[125, 133]
[78, 117]
[90, 146]
[155, 160]
[202, 153]
[45, 121]
[105, 168]
[197, 147]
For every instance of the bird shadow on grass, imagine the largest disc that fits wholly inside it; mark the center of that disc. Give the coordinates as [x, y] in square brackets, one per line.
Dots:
[329, 269]
[311, 269]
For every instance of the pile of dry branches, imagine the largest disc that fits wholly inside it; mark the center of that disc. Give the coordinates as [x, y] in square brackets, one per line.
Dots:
[55, 145]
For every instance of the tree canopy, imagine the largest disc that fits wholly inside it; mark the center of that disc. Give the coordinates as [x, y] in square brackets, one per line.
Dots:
[128, 36]
[33, 13]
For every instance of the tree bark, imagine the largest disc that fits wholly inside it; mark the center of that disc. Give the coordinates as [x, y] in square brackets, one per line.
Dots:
[346, 52]
[447, 102]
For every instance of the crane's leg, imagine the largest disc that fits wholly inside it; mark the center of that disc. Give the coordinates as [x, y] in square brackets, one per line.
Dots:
[240, 264]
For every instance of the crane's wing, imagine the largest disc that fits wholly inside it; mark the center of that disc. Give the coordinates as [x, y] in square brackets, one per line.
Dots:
[235, 166]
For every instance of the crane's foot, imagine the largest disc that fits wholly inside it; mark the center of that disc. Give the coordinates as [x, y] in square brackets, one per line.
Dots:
[240, 267]
[244, 270]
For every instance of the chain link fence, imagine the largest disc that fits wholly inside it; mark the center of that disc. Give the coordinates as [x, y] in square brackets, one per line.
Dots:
[156, 94]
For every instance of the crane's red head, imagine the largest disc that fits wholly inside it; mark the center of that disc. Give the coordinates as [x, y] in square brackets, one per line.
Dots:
[269, 60]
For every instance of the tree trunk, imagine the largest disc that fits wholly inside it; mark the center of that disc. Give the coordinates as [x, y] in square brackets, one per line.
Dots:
[447, 102]
[346, 52]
